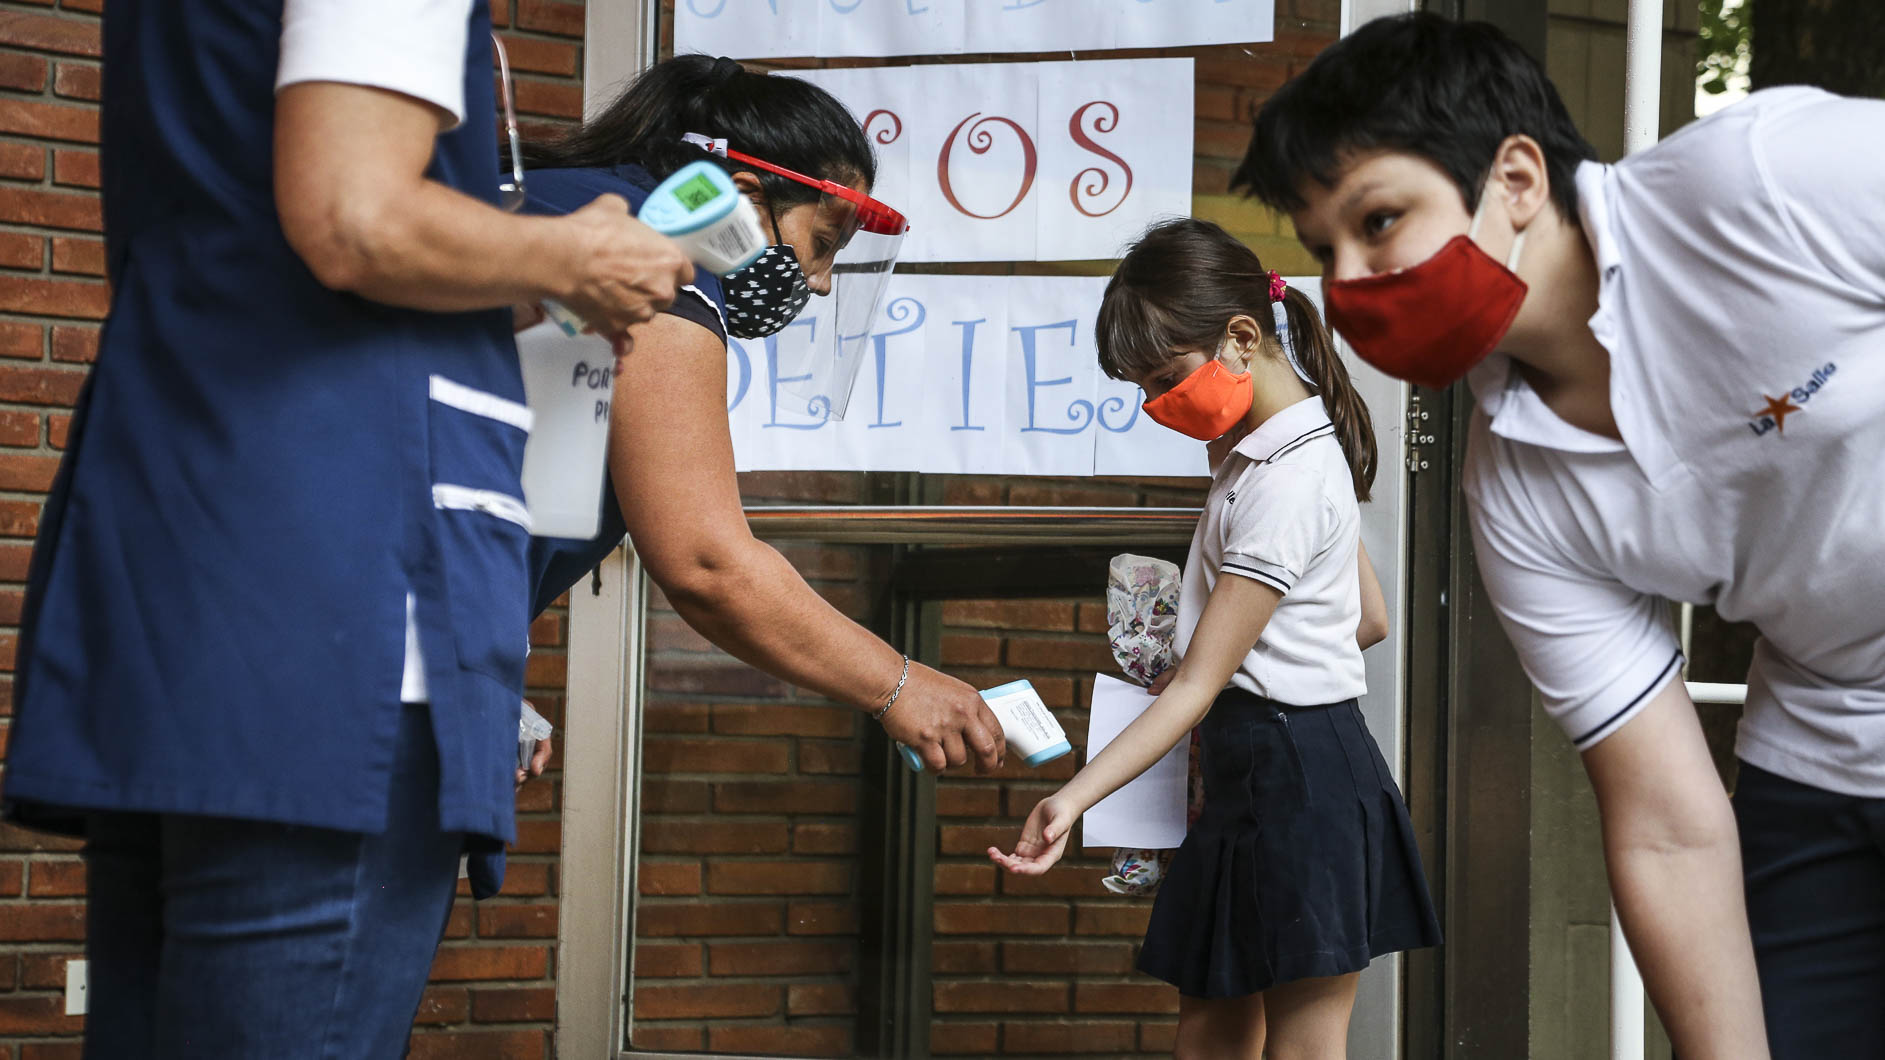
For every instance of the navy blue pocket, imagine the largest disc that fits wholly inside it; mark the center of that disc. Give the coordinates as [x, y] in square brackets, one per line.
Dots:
[483, 528]
[1254, 762]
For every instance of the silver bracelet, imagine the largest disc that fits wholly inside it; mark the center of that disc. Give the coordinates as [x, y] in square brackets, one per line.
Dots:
[895, 692]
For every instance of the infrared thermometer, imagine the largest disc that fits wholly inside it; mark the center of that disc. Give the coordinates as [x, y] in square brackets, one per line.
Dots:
[1029, 727]
[699, 208]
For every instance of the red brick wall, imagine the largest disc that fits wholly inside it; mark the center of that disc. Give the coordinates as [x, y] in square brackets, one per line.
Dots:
[747, 927]
[1033, 964]
[493, 988]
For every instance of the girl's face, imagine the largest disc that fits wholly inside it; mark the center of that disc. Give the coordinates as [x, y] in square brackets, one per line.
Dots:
[1160, 380]
[1241, 334]
[1387, 211]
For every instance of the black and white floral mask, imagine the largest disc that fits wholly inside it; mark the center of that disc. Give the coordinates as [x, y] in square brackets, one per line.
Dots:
[764, 297]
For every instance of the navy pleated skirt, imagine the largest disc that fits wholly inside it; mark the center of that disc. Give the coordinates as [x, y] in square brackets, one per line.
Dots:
[1303, 863]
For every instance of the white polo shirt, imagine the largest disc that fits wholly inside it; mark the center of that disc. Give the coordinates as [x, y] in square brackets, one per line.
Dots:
[413, 47]
[1742, 301]
[1282, 511]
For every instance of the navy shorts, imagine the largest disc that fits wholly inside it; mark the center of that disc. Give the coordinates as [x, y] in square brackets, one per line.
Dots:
[1815, 867]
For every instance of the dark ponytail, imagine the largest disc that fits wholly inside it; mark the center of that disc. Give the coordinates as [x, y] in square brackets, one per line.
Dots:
[1315, 351]
[1178, 288]
[784, 120]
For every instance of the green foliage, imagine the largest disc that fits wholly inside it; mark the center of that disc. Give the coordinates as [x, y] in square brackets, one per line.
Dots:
[1724, 46]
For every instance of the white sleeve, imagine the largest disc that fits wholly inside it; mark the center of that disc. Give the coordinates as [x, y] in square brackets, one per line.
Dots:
[413, 47]
[1824, 162]
[1276, 524]
[1596, 649]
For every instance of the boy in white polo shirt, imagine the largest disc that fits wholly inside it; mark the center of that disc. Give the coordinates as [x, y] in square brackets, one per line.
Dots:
[1679, 364]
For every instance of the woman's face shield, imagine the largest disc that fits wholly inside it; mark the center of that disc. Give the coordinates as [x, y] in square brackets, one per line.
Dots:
[855, 241]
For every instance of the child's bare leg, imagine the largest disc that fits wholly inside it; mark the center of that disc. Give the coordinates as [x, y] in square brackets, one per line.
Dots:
[1308, 1019]
[1220, 1028]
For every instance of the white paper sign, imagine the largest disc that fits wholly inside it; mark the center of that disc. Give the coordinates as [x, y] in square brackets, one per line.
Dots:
[962, 375]
[1026, 161]
[747, 29]
[1053, 374]
[1148, 813]
[966, 345]
[889, 27]
[759, 29]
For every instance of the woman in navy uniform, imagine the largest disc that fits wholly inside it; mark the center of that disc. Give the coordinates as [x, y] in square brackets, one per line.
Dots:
[273, 645]
[672, 486]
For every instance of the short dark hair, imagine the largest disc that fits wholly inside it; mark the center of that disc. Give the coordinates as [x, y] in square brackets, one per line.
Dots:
[784, 120]
[1447, 91]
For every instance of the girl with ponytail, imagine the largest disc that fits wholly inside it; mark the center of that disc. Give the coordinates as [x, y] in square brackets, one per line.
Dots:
[1303, 865]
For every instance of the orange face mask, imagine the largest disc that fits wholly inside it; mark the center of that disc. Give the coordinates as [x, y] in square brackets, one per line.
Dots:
[1206, 403]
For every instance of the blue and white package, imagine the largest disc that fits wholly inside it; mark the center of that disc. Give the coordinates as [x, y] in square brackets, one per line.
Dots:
[1030, 728]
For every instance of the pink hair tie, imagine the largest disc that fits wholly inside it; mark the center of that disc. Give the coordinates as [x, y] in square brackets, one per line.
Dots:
[1277, 287]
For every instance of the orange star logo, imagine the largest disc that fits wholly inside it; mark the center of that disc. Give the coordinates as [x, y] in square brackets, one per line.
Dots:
[1778, 408]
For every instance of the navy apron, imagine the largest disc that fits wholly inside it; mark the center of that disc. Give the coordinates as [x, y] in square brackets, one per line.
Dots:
[260, 471]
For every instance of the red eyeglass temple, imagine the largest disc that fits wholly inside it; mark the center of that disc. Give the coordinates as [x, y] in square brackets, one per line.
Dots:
[873, 216]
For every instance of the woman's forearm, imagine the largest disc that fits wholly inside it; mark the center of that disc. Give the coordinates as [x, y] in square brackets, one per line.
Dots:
[757, 608]
[437, 249]
[367, 220]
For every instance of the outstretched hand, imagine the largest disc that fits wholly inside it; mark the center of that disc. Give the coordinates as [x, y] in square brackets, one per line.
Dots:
[1043, 838]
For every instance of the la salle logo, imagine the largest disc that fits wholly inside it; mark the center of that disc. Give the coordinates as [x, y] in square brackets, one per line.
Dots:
[1773, 416]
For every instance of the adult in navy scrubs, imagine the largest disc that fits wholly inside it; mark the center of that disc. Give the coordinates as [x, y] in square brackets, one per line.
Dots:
[273, 645]
[672, 484]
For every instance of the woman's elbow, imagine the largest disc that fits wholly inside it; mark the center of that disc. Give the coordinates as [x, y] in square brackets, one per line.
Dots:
[700, 580]
[336, 241]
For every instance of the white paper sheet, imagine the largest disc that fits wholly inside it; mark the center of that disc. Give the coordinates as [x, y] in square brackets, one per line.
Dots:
[747, 29]
[1149, 811]
[965, 342]
[1055, 161]
[746, 385]
[956, 385]
[1116, 144]
[885, 425]
[891, 27]
[975, 157]
[1179, 23]
[1040, 25]
[755, 29]
[1053, 374]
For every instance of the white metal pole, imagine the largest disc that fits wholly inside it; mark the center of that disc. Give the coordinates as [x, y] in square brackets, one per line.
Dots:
[1642, 114]
[1642, 76]
[1626, 997]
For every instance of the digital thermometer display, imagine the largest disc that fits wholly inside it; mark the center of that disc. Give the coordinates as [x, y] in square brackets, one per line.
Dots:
[700, 208]
[696, 192]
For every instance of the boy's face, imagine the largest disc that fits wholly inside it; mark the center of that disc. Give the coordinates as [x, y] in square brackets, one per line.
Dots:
[1387, 211]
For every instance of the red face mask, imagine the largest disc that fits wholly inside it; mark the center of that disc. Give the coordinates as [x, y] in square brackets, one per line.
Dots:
[1204, 404]
[1430, 324]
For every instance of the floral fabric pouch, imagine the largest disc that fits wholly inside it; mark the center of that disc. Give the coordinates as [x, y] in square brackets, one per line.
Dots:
[1142, 620]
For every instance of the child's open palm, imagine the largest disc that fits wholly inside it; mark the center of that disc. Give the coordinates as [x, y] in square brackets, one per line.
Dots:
[1043, 839]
